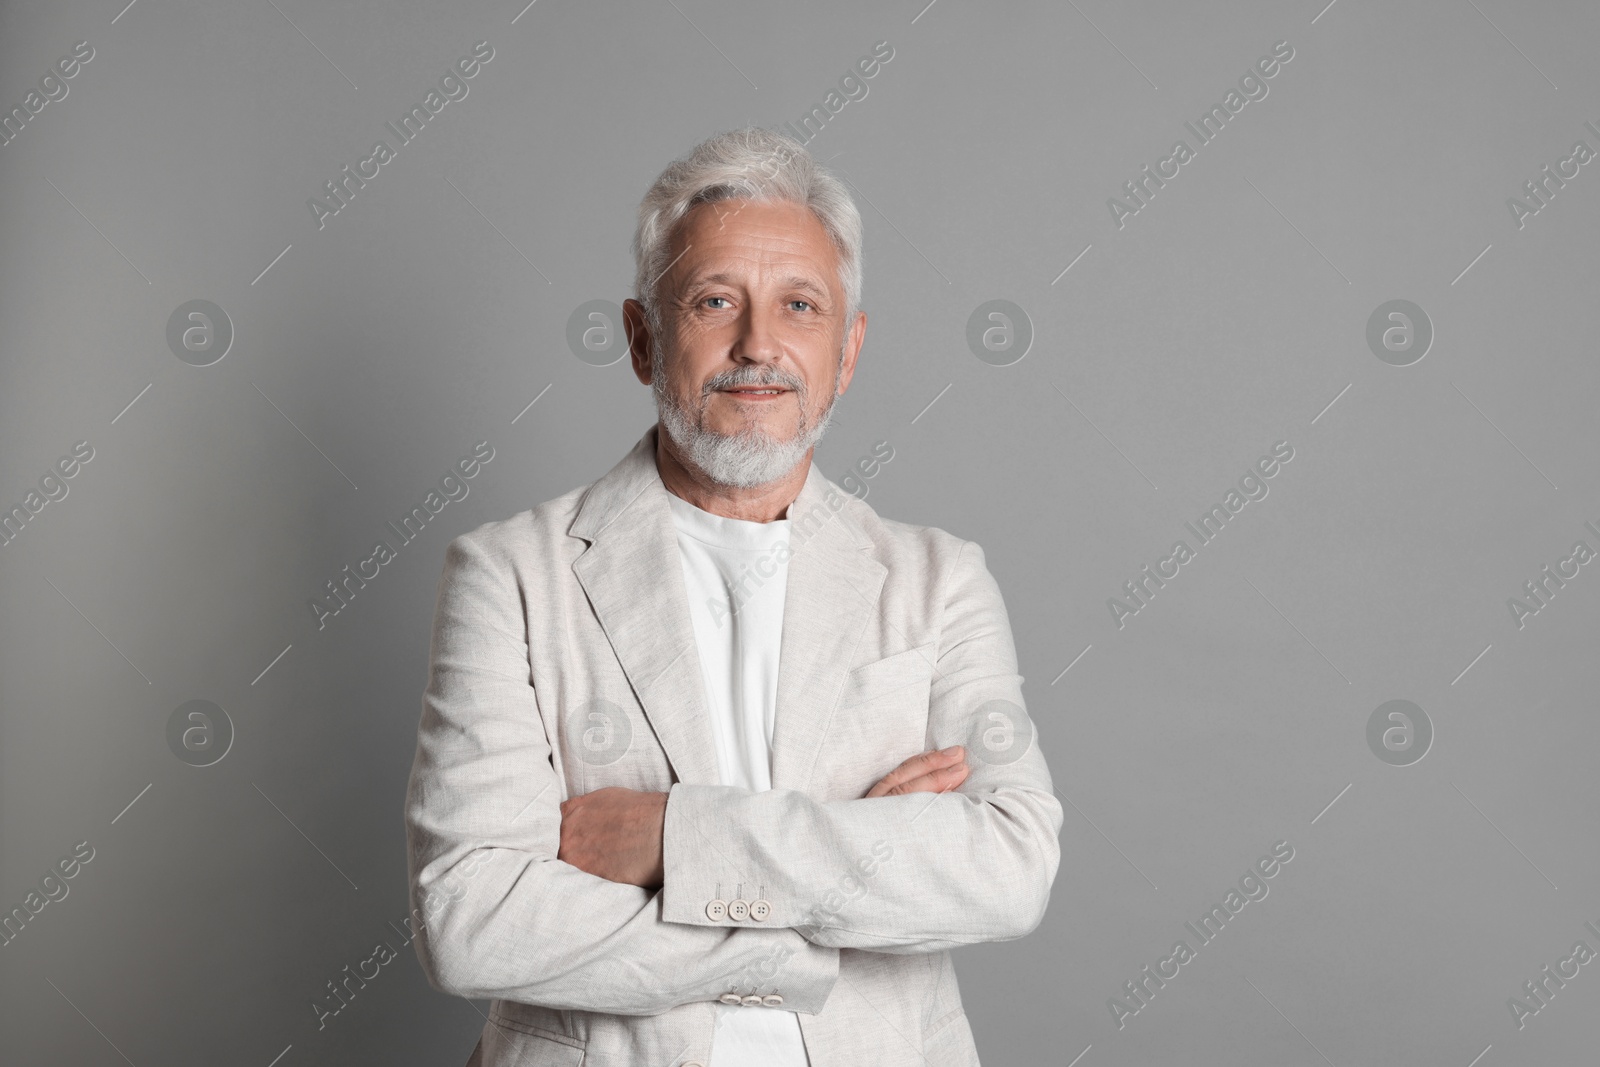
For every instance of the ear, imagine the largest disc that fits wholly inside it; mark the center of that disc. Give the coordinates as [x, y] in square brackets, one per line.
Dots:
[637, 330]
[852, 349]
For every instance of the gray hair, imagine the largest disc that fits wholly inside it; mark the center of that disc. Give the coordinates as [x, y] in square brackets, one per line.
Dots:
[747, 164]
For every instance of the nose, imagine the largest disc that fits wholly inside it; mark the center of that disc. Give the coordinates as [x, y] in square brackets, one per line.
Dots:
[757, 340]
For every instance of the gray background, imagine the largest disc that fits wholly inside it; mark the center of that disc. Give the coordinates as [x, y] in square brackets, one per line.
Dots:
[1230, 313]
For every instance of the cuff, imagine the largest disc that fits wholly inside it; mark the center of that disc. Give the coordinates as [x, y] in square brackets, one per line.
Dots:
[703, 883]
[783, 971]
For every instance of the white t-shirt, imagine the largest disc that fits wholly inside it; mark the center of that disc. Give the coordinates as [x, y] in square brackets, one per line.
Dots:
[736, 590]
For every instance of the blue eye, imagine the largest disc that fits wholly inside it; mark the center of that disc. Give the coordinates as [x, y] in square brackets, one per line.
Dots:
[716, 298]
[805, 304]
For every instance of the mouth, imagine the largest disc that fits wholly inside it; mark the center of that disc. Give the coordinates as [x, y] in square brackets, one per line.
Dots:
[755, 392]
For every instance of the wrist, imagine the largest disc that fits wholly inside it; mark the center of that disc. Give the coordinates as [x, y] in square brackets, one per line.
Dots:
[658, 873]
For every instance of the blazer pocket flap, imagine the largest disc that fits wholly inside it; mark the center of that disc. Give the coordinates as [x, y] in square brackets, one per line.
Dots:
[508, 1040]
[881, 677]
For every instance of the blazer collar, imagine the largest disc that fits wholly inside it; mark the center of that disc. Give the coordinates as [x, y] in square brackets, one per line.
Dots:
[633, 575]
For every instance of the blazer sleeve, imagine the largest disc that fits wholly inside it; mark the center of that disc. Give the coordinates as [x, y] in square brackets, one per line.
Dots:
[498, 915]
[922, 872]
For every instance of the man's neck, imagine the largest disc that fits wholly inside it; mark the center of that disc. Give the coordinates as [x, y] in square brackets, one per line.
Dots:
[762, 503]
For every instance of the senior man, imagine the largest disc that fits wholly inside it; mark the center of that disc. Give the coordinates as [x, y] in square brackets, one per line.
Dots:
[715, 765]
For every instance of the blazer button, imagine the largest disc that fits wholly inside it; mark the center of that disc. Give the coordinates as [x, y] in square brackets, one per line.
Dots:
[716, 910]
[760, 910]
[752, 999]
[738, 910]
[772, 1000]
[729, 998]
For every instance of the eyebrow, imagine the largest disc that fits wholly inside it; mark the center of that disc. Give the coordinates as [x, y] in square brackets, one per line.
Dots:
[794, 281]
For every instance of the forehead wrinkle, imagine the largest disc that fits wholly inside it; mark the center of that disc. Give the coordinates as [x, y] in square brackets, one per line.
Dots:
[757, 249]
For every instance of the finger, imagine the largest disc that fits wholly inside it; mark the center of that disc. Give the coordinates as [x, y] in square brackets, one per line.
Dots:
[937, 780]
[942, 780]
[906, 779]
[921, 764]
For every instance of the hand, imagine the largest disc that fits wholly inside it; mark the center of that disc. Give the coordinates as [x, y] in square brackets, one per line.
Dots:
[935, 771]
[615, 833]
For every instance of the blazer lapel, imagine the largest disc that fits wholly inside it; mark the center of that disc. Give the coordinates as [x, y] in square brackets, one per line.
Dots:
[832, 594]
[633, 576]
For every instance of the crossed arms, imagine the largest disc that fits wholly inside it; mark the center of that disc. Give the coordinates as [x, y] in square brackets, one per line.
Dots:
[616, 833]
[527, 899]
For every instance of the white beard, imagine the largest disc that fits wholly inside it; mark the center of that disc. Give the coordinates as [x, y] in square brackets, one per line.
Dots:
[750, 457]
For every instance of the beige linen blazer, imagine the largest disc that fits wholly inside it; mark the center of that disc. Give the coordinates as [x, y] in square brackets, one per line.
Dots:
[563, 660]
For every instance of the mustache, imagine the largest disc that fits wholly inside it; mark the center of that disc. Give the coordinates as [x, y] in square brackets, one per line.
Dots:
[744, 376]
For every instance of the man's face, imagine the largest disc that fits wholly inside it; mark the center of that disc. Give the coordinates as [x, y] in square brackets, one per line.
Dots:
[754, 343]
